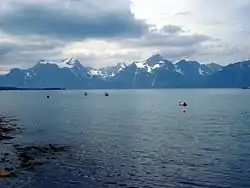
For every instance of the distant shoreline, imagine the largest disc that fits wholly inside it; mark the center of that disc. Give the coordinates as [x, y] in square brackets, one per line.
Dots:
[17, 88]
[3, 88]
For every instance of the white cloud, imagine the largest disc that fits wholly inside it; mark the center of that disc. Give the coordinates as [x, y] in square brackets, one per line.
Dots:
[210, 31]
[224, 20]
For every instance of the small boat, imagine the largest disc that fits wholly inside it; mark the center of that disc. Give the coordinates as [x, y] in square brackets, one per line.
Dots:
[85, 94]
[106, 94]
[182, 104]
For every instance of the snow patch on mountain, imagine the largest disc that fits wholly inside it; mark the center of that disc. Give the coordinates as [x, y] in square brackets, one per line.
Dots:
[120, 69]
[140, 65]
[149, 69]
[94, 72]
[144, 65]
[65, 63]
[45, 62]
[156, 66]
[178, 70]
[150, 65]
[122, 65]
[111, 71]
[201, 72]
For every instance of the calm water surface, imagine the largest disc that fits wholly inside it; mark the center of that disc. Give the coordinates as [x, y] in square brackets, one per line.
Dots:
[135, 138]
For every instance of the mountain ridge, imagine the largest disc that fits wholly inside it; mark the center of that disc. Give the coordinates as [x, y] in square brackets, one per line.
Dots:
[154, 72]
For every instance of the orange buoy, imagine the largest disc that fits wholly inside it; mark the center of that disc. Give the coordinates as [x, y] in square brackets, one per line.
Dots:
[4, 174]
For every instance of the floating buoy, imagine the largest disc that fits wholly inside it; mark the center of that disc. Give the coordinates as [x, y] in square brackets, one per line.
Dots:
[106, 94]
[48, 96]
[4, 174]
[183, 104]
[85, 94]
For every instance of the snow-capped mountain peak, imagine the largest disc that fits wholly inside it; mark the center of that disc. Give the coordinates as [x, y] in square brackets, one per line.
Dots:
[69, 63]
[94, 72]
[155, 59]
[44, 62]
[143, 66]
[65, 63]
[121, 65]
[109, 71]
[154, 72]
[151, 63]
[72, 64]
[154, 62]
[140, 65]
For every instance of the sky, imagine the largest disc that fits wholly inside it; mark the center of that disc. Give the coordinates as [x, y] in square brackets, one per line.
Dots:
[101, 33]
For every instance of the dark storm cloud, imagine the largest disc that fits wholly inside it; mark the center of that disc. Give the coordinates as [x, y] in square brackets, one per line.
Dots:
[27, 52]
[172, 29]
[47, 29]
[30, 44]
[178, 53]
[62, 24]
[163, 40]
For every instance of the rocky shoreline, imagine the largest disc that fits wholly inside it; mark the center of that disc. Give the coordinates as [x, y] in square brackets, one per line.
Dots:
[19, 158]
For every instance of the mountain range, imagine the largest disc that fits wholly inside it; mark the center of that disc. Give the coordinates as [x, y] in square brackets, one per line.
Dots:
[154, 72]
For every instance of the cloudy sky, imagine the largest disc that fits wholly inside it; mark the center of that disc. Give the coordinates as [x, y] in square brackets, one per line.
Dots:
[105, 32]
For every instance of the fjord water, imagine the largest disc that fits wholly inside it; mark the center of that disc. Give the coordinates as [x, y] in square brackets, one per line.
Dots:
[135, 138]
